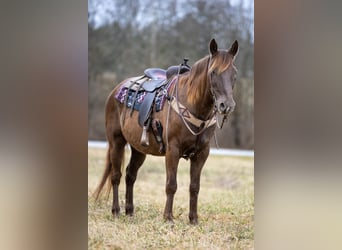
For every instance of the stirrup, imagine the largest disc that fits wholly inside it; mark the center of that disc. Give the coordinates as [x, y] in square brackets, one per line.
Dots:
[144, 137]
[157, 129]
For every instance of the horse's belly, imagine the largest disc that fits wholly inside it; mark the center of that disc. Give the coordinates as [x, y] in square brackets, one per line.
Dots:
[133, 132]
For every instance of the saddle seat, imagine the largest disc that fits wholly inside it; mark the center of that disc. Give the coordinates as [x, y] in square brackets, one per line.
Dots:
[153, 84]
[152, 79]
[155, 73]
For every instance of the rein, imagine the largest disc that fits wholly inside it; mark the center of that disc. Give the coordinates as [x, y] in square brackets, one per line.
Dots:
[223, 121]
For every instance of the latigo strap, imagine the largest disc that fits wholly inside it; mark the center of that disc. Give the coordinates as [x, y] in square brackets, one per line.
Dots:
[158, 133]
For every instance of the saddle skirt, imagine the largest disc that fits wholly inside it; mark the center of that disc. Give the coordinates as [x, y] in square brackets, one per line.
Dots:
[133, 93]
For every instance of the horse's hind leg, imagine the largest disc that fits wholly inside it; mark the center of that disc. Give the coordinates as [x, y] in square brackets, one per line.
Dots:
[116, 150]
[137, 159]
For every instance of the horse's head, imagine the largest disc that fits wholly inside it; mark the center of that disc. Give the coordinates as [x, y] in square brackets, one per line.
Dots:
[222, 76]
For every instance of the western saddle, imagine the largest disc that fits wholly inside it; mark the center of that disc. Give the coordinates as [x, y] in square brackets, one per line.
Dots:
[153, 81]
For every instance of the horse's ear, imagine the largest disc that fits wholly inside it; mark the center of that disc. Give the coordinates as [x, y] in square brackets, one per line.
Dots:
[234, 48]
[213, 47]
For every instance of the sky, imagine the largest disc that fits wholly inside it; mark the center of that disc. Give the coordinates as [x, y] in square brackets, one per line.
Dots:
[102, 8]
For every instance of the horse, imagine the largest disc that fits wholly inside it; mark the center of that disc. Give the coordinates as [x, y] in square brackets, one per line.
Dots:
[206, 94]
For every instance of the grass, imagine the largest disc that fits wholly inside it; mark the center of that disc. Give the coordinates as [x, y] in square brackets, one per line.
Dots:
[225, 207]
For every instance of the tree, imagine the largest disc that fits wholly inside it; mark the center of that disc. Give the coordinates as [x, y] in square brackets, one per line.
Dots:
[125, 37]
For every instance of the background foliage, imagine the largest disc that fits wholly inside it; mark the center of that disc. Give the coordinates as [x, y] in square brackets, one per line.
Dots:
[127, 36]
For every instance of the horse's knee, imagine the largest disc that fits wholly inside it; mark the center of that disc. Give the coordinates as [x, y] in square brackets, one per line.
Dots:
[116, 179]
[194, 188]
[130, 179]
[171, 187]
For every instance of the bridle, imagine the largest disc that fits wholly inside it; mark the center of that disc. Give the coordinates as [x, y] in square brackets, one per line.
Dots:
[214, 114]
[215, 111]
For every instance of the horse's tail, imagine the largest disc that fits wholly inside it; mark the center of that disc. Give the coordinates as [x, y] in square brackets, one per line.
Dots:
[105, 178]
[112, 114]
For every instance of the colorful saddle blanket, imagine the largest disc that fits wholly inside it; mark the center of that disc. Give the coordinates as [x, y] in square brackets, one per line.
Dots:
[129, 94]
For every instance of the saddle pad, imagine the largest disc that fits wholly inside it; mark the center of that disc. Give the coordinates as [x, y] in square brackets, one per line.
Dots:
[123, 92]
[158, 101]
[138, 80]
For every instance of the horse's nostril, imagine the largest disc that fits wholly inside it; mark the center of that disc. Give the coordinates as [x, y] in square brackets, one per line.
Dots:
[222, 107]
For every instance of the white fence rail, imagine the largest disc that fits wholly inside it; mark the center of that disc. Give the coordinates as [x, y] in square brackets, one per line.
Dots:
[213, 151]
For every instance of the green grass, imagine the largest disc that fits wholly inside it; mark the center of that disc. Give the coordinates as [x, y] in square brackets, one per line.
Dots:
[225, 207]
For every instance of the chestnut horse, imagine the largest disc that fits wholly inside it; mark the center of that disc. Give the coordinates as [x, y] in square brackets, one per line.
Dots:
[207, 92]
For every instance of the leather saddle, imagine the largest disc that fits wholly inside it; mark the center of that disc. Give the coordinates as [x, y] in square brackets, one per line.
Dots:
[156, 79]
[152, 80]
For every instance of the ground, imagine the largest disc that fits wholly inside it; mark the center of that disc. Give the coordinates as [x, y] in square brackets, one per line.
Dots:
[225, 207]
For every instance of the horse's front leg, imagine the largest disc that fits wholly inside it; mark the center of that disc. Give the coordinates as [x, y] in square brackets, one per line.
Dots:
[197, 163]
[171, 160]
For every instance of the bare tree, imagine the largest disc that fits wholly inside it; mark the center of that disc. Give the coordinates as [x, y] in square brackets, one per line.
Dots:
[127, 36]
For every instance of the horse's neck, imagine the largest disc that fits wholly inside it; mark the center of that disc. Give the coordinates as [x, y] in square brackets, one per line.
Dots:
[203, 106]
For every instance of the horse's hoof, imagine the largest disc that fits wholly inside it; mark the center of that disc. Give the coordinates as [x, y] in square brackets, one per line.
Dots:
[170, 222]
[116, 212]
[169, 219]
[129, 212]
[194, 221]
[129, 209]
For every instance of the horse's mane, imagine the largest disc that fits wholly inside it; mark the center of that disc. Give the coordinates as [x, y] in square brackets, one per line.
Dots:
[197, 80]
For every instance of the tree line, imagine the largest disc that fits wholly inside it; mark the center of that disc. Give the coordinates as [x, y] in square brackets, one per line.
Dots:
[126, 36]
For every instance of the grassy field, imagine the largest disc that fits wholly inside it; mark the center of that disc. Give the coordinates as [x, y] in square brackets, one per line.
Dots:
[225, 207]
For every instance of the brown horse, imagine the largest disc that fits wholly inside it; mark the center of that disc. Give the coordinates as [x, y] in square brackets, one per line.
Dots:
[206, 91]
